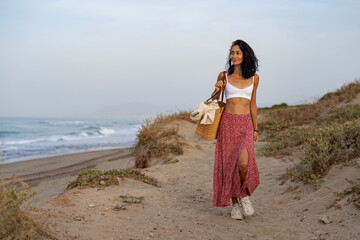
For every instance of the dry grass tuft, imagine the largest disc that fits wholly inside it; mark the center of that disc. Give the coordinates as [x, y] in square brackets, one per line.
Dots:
[16, 220]
[155, 140]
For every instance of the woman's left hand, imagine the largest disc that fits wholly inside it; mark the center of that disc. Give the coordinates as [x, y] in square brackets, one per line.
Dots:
[255, 137]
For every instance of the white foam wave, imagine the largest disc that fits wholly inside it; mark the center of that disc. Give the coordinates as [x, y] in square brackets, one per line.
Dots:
[106, 131]
[83, 134]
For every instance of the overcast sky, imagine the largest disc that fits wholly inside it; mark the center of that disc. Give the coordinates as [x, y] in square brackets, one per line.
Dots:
[68, 57]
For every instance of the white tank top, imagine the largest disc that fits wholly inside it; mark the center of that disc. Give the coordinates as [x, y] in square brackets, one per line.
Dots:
[234, 92]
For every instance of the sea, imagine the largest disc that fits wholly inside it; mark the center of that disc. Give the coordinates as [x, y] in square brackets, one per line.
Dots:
[23, 139]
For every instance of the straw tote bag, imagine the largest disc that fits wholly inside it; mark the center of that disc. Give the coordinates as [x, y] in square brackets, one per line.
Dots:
[209, 131]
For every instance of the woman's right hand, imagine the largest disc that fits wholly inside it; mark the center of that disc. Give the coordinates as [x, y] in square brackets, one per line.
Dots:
[219, 84]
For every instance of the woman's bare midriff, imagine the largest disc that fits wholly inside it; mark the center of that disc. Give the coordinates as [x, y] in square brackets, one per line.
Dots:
[237, 106]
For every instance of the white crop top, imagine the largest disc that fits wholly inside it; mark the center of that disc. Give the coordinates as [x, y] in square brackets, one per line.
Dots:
[234, 92]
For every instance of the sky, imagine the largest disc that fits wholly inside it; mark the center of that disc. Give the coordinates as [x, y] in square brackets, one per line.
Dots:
[70, 58]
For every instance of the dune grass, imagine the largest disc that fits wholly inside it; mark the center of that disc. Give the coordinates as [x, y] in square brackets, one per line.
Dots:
[325, 133]
[16, 220]
[283, 140]
[325, 147]
[282, 117]
[96, 178]
[154, 140]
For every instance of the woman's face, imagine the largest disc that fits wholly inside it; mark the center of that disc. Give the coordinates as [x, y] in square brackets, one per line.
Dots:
[236, 55]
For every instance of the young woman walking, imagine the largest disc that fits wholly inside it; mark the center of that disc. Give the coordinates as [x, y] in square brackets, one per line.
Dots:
[236, 174]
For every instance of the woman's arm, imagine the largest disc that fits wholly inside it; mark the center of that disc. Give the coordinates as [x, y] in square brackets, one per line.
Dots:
[253, 107]
[219, 83]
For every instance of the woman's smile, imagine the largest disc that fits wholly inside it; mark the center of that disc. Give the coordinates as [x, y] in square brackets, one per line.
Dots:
[236, 55]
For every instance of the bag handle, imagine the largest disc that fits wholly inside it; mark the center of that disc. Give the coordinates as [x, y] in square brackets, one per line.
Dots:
[222, 89]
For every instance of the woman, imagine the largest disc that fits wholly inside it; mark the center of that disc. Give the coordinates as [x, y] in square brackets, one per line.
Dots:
[235, 170]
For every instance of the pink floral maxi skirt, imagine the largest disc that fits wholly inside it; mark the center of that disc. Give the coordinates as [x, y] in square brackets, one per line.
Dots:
[234, 134]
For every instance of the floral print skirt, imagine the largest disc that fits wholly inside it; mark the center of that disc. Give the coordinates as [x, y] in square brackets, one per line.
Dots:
[235, 133]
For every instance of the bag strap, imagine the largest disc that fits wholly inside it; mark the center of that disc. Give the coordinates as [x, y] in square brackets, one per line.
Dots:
[221, 89]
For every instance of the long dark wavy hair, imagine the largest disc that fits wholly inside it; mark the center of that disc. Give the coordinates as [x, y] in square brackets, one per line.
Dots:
[250, 63]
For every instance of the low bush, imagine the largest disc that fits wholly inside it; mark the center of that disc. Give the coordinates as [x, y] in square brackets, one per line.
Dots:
[329, 145]
[97, 178]
[341, 115]
[282, 144]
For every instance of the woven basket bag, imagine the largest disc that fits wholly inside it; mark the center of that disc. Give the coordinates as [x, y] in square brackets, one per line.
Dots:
[209, 131]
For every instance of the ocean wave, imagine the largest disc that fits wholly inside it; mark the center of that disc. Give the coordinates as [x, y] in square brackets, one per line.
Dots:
[95, 132]
[84, 134]
[106, 131]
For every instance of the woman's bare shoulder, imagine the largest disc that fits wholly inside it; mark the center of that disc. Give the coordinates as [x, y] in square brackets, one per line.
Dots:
[256, 78]
[221, 76]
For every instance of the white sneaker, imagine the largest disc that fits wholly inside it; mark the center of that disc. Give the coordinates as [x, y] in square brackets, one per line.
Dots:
[236, 211]
[247, 207]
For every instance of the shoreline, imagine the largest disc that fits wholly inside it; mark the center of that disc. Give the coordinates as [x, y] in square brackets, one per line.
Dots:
[42, 156]
[49, 176]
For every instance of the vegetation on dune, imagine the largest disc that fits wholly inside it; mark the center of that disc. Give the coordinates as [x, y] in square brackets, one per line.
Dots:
[325, 147]
[156, 141]
[15, 219]
[327, 133]
[284, 117]
[345, 94]
[97, 178]
[128, 200]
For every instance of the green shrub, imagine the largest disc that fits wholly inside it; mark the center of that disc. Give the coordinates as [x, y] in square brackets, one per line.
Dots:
[329, 145]
[282, 143]
[342, 115]
[96, 178]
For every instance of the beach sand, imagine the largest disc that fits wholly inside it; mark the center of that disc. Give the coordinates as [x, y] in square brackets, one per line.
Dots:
[50, 176]
[181, 208]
